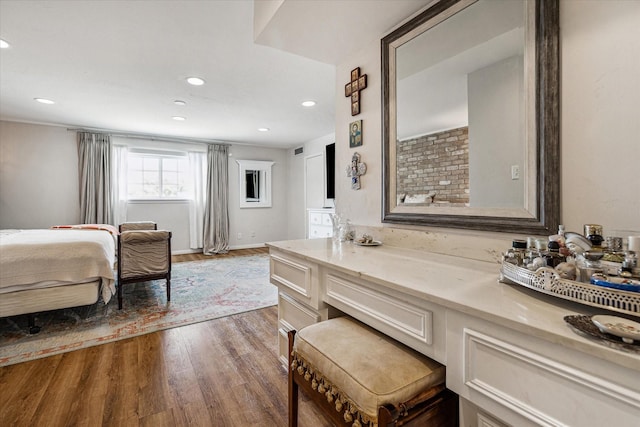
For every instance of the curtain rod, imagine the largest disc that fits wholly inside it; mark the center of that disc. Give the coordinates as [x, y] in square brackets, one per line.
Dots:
[149, 136]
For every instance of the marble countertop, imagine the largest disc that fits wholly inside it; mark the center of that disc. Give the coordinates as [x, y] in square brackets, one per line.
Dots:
[465, 285]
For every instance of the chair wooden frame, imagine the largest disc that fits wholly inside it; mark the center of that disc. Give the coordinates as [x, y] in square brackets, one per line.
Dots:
[435, 407]
[143, 277]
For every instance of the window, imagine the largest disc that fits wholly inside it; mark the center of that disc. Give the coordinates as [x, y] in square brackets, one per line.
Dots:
[157, 175]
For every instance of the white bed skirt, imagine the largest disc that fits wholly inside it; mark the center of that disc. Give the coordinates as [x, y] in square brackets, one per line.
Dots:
[44, 299]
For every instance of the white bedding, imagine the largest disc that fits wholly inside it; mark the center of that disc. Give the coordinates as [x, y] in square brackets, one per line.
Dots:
[35, 259]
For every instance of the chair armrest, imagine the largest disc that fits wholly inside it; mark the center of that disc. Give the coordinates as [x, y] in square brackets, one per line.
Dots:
[144, 236]
[138, 225]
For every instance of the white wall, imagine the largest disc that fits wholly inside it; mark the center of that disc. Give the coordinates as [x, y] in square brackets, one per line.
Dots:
[496, 134]
[258, 225]
[38, 176]
[599, 131]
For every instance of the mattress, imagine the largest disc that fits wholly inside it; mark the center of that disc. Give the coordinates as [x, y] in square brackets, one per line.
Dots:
[39, 259]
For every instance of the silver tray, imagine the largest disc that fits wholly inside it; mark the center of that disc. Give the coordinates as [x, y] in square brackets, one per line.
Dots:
[547, 281]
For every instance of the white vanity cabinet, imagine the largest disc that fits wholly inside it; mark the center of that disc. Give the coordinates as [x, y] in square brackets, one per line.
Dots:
[299, 296]
[508, 352]
[319, 223]
[526, 381]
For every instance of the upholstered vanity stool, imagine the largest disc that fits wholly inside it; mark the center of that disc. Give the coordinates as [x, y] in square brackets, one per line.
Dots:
[362, 378]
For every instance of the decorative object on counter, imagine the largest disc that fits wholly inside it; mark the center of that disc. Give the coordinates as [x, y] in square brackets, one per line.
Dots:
[613, 244]
[634, 244]
[567, 270]
[629, 267]
[353, 88]
[576, 242]
[591, 265]
[547, 281]
[616, 282]
[582, 325]
[346, 231]
[367, 240]
[618, 326]
[355, 170]
[355, 134]
[342, 228]
[335, 223]
[593, 233]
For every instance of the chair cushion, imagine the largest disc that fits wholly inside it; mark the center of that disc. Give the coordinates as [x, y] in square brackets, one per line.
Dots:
[368, 368]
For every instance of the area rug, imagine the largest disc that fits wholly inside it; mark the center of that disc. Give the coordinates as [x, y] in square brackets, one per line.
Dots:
[200, 290]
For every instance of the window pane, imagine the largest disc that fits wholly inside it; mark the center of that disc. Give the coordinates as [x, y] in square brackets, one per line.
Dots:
[158, 176]
[169, 164]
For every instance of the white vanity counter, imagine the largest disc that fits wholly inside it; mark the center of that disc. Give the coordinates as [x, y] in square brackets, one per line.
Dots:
[455, 311]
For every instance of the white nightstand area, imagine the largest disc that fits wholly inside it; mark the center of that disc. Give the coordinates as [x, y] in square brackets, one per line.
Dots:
[319, 223]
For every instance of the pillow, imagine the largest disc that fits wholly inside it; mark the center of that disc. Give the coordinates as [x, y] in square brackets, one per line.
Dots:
[105, 227]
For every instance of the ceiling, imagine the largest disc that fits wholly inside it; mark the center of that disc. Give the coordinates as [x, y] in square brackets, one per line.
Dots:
[120, 65]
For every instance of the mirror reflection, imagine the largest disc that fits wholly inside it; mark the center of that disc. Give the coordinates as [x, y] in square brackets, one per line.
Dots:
[460, 107]
[255, 183]
[470, 135]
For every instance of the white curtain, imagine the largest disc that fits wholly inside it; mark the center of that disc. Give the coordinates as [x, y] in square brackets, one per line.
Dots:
[119, 184]
[198, 169]
[94, 165]
[216, 215]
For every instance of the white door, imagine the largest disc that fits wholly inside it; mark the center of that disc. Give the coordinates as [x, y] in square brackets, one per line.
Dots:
[313, 183]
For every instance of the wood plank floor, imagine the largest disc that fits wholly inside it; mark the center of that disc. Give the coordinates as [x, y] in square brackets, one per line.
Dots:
[224, 372]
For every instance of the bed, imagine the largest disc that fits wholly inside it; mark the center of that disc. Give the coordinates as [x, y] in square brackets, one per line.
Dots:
[62, 267]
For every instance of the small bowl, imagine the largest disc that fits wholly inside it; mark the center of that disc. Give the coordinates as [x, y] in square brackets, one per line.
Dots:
[593, 255]
[618, 326]
[578, 240]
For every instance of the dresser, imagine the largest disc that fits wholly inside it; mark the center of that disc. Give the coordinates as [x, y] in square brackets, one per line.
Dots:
[319, 223]
[509, 354]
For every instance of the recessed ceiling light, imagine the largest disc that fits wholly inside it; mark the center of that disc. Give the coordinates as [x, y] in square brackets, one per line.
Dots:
[196, 81]
[308, 103]
[44, 101]
[179, 102]
[3, 44]
[179, 118]
[263, 129]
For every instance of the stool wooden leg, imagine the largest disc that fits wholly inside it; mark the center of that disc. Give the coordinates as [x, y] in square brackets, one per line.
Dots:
[293, 386]
[119, 295]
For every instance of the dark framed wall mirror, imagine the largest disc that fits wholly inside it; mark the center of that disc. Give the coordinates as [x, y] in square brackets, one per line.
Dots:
[470, 114]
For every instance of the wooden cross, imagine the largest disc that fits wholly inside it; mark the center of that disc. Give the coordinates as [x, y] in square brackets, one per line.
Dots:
[353, 88]
[355, 170]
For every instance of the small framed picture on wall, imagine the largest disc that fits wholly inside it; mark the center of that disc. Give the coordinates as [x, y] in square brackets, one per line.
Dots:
[355, 134]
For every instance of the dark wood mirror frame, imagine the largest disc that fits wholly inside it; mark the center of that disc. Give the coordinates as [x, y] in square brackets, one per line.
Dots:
[547, 126]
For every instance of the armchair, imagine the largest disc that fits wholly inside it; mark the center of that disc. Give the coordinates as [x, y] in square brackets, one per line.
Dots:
[144, 253]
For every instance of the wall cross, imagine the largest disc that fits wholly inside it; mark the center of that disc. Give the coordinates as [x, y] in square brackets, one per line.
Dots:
[353, 88]
[355, 170]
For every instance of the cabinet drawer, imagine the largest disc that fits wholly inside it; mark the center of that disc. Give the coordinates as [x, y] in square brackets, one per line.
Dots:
[326, 220]
[315, 218]
[297, 278]
[316, 232]
[405, 321]
[294, 316]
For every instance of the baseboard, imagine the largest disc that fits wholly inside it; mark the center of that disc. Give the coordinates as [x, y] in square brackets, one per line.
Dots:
[197, 251]
[249, 246]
